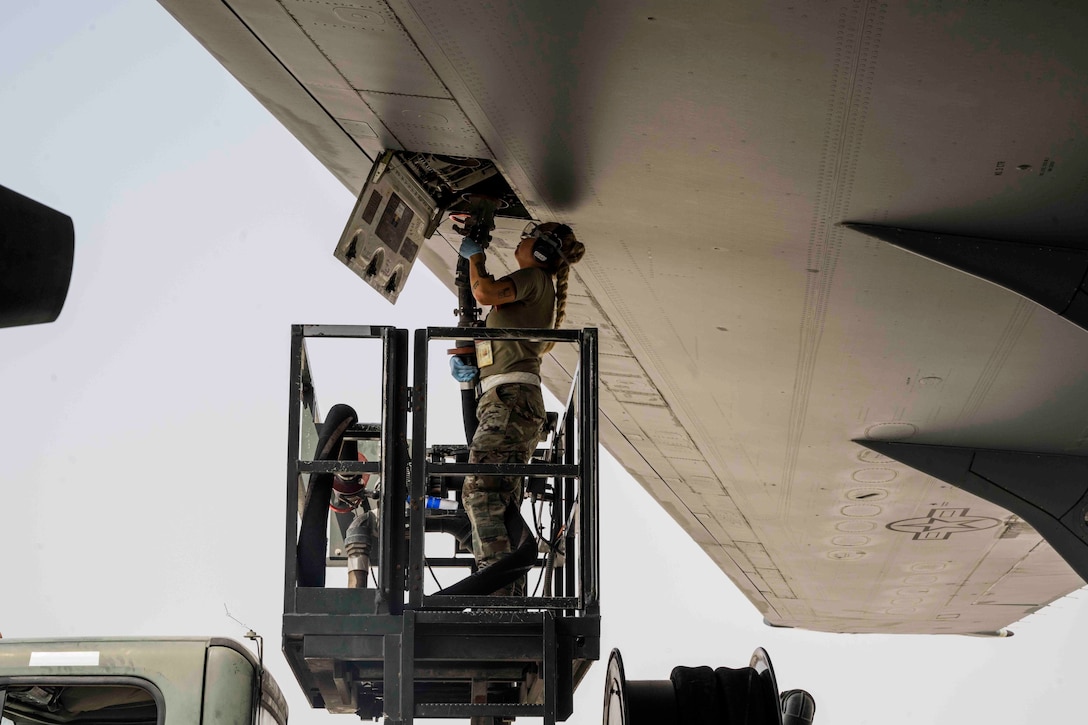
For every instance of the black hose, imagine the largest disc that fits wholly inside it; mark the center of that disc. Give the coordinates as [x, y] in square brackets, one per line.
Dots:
[505, 570]
[457, 526]
[468, 413]
[312, 533]
[468, 314]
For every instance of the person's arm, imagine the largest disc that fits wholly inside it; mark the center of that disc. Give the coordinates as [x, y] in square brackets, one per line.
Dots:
[485, 288]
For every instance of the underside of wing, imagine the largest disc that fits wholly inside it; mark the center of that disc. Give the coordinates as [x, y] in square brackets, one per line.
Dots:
[733, 170]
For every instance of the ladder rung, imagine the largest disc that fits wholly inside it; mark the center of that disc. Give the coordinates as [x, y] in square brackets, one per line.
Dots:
[570, 470]
[338, 467]
[456, 709]
[462, 601]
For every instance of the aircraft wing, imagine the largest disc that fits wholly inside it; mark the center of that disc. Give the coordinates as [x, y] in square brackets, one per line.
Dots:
[708, 155]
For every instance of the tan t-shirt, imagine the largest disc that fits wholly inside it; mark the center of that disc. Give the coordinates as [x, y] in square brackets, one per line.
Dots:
[534, 308]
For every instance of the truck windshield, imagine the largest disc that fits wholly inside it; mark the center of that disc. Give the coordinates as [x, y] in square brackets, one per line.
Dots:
[44, 704]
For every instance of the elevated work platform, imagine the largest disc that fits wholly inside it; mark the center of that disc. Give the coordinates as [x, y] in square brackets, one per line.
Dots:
[397, 640]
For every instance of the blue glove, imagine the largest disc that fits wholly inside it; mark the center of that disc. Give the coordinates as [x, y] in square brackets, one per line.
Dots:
[469, 248]
[462, 371]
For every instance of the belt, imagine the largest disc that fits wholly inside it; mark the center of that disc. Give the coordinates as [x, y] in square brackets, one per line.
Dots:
[493, 381]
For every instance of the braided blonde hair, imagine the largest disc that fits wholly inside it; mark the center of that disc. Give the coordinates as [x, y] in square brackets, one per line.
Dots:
[571, 252]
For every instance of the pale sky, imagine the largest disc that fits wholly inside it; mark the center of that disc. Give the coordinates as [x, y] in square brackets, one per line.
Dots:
[144, 433]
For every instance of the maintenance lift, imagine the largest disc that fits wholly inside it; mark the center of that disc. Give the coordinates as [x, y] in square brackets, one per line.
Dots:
[399, 643]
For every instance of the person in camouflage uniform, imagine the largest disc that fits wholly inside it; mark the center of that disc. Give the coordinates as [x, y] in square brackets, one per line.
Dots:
[511, 420]
[511, 411]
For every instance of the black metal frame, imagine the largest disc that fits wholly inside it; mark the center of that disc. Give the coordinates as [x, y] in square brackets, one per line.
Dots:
[577, 467]
[309, 600]
[372, 652]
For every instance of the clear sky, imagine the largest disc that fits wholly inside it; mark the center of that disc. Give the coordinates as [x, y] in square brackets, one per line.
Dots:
[144, 433]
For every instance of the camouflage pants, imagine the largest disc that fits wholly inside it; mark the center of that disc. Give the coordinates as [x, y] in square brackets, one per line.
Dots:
[511, 418]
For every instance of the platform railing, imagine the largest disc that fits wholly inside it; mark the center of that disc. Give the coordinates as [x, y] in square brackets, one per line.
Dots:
[392, 649]
[573, 470]
[572, 467]
[303, 429]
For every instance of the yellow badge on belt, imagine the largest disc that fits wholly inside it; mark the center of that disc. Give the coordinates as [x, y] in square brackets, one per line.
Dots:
[483, 353]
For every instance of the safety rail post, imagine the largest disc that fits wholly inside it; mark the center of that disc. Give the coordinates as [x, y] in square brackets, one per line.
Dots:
[565, 577]
[570, 493]
[295, 398]
[588, 459]
[416, 528]
[394, 447]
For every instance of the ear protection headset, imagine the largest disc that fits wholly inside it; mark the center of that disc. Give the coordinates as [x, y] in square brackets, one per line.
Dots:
[548, 246]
